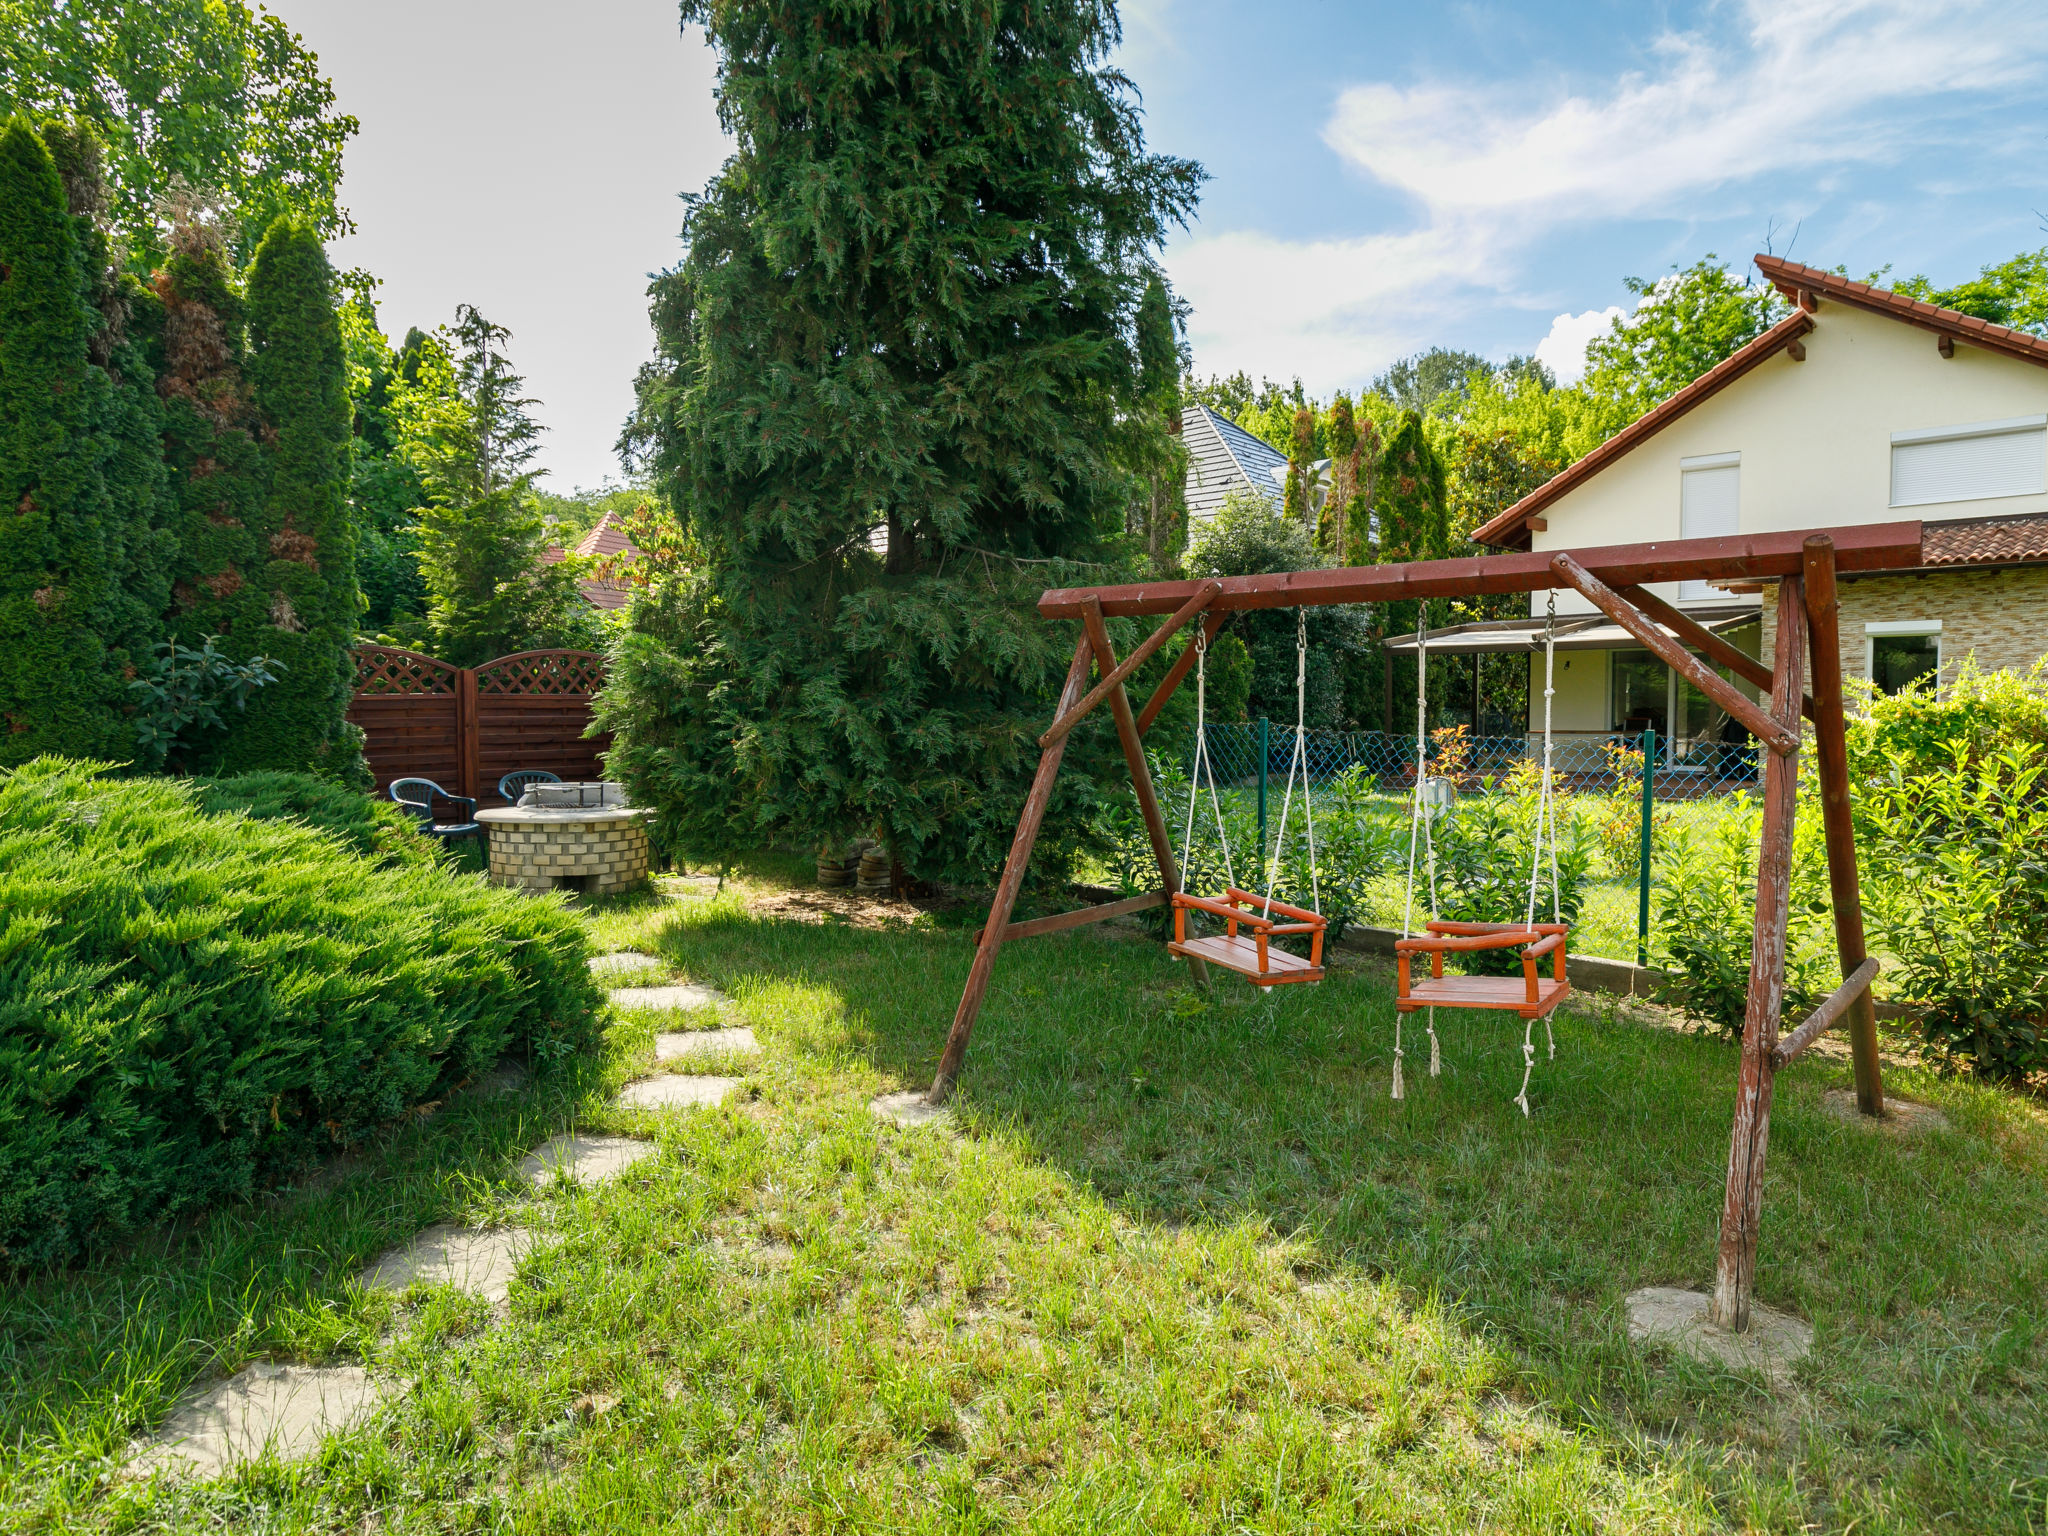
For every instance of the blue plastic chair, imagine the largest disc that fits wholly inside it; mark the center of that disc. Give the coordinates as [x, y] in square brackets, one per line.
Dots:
[513, 785]
[418, 796]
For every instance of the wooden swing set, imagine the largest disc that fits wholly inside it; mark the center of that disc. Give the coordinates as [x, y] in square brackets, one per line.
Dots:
[1614, 579]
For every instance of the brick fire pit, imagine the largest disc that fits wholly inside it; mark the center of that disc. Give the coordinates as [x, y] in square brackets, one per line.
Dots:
[568, 837]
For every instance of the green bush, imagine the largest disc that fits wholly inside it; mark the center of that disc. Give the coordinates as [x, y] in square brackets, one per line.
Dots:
[192, 1004]
[373, 829]
[1704, 879]
[1484, 846]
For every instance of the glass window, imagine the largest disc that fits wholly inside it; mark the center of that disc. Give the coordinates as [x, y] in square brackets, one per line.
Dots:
[1639, 692]
[1895, 660]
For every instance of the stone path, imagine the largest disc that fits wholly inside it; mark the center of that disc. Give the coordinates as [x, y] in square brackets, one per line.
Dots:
[625, 963]
[478, 1261]
[588, 1158]
[676, 1091]
[706, 1042]
[285, 1409]
[679, 995]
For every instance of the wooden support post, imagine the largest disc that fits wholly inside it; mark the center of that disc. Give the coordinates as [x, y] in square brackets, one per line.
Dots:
[1141, 774]
[1780, 738]
[1178, 671]
[1735, 1271]
[468, 740]
[1006, 889]
[1831, 749]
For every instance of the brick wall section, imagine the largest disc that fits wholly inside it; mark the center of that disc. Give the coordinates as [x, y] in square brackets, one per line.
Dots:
[608, 854]
[2000, 615]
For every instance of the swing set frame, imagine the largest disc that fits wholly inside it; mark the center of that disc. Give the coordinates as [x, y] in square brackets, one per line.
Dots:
[1613, 578]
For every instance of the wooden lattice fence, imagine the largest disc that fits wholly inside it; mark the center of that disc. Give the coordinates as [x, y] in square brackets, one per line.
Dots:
[466, 727]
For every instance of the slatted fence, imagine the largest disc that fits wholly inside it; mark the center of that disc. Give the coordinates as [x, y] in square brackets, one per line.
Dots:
[466, 727]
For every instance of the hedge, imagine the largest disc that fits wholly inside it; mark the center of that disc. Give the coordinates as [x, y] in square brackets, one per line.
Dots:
[193, 1005]
[376, 829]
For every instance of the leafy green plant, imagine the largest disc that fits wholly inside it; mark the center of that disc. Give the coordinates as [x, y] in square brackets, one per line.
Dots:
[1484, 846]
[1956, 869]
[184, 687]
[372, 829]
[1703, 878]
[192, 1005]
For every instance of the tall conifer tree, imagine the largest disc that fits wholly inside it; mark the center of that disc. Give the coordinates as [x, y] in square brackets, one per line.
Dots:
[59, 690]
[894, 364]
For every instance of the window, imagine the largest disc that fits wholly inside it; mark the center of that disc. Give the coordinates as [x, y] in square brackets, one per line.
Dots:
[1897, 653]
[1709, 506]
[1640, 692]
[1970, 463]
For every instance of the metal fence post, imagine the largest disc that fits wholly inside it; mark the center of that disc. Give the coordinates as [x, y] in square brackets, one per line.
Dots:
[1263, 724]
[1643, 873]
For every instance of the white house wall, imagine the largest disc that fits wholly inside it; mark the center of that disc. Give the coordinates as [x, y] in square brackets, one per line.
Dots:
[1580, 701]
[1815, 438]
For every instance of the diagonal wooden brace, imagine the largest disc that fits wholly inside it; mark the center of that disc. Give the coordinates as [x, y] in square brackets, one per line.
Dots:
[1833, 1009]
[1780, 738]
[1177, 673]
[1741, 663]
[1204, 596]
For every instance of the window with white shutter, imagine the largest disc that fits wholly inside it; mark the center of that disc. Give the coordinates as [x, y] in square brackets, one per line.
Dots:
[1978, 462]
[1709, 506]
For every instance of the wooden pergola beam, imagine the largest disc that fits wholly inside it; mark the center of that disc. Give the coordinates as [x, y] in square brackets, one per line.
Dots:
[1739, 557]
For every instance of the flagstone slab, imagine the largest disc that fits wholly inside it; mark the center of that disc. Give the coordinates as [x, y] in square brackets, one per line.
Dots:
[480, 1261]
[625, 963]
[677, 1091]
[589, 1158]
[285, 1410]
[706, 1042]
[683, 995]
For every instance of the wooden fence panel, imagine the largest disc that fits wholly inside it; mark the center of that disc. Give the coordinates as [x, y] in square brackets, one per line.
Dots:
[465, 728]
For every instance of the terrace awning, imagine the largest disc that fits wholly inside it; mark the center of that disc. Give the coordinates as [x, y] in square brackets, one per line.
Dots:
[1581, 632]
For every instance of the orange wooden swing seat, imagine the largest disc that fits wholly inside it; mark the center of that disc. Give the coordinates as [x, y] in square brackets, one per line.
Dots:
[1529, 995]
[1251, 954]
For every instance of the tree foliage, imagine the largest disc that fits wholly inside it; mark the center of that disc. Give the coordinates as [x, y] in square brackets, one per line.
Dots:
[1684, 323]
[896, 386]
[2013, 292]
[205, 94]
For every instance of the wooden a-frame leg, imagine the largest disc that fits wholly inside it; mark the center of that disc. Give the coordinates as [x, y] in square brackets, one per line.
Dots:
[1141, 773]
[1735, 1270]
[1831, 751]
[1006, 889]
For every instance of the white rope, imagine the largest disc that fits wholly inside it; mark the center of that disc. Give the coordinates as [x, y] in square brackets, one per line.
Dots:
[1418, 834]
[1298, 761]
[1187, 841]
[1528, 1064]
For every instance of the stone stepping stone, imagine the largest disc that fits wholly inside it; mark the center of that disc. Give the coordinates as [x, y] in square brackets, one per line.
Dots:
[283, 1409]
[589, 1158]
[1775, 1342]
[676, 1091]
[625, 963]
[706, 1042]
[681, 995]
[478, 1261]
[909, 1108]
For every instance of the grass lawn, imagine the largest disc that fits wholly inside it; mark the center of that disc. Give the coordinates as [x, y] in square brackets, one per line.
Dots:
[1177, 1264]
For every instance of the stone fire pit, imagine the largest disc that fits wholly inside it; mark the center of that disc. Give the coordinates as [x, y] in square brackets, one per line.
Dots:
[568, 837]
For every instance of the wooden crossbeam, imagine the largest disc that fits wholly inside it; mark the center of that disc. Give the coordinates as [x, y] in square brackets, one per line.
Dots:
[1739, 557]
[1131, 663]
[1830, 1013]
[1178, 672]
[1080, 917]
[1781, 739]
[1694, 633]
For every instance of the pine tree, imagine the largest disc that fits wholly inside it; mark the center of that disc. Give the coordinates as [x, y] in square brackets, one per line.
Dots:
[906, 315]
[465, 427]
[58, 691]
[1160, 460]
[303, 572]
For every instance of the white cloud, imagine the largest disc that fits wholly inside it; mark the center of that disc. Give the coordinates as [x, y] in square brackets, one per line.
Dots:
[1808, 85]
[1563, 351]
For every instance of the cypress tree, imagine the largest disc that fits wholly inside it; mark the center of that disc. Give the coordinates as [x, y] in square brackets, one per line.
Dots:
[1414, 516]
[895, 364]
[301, 600]
[1157, 454]
[1301, 453]
[58, 691]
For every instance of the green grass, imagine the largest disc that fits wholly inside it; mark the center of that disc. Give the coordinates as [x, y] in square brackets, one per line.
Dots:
[1181, 1265]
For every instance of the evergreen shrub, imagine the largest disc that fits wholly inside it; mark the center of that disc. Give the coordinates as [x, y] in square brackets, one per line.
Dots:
[193, 1004]
[375, 830]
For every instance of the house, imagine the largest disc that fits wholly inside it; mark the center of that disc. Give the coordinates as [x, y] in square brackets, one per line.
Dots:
[1861, 406]
[1223, 457]
[607, 542]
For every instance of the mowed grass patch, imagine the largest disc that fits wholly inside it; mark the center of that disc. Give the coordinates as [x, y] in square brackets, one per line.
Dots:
[1178, 1264]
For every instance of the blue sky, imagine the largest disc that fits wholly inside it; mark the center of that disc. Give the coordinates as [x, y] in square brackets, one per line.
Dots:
[1384, 177]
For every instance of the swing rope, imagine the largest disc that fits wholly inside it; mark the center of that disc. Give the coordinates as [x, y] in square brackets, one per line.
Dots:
[1419, 836]
[1298, 761]
[1202, 759]
[1546, 820]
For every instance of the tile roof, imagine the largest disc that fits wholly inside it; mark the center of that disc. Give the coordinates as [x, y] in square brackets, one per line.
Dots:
[1223, 457]
[608, 538]
[1986, 541]
[1806, 287]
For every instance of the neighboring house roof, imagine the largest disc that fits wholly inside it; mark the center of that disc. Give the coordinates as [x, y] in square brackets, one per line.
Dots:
[607, 540]
[1223, 457]
[1807, 287]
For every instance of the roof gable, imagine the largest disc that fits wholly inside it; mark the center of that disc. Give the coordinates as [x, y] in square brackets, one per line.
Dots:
[1223, 457]
[1807, 287]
